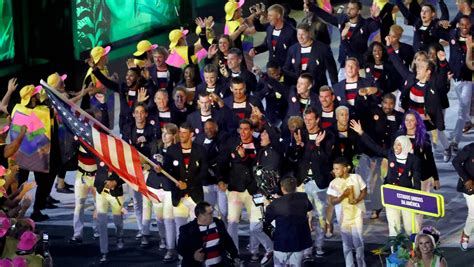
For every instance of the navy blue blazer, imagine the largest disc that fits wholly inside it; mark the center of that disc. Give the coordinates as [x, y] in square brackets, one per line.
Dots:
[283, 42]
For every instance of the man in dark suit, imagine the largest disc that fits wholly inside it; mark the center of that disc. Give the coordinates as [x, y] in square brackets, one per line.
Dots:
[280, 35]
[187, 163]
[161, 74]
[205, 241]
[312, 57]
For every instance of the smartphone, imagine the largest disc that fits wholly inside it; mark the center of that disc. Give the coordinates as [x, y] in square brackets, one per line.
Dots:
[258, 199]
[45, 237]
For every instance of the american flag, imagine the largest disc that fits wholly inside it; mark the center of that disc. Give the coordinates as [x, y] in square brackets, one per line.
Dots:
[118, 155]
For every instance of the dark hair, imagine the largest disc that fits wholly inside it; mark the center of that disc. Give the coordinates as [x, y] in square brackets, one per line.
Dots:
[235, 51]
[369, 57]
[433, 9]
[358, 3]
[211, 120]
[311, 110]
[186, 125]
[465, 17]
[304, 26]
[201, 208]
[197, 76]
[140, 104]
[237, 80]
[342, 161]
[272, 64]
[289, 183]
[203, 94]
[307, 76]
[389, 96]
[246, 121]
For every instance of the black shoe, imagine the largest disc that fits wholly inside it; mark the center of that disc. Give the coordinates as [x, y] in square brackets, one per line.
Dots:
[144, 242]
[64, 190]
[50, 199]
[75, 240]
[50, 206]
[103, 259]
[37, 216]
[70, 186]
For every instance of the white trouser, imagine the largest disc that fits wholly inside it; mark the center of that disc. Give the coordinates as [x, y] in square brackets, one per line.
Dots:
[463, 91]
[236, 201]
[394, 217]
[317, 197]
[287, 259]
[218, 198]
[104, 201]
[352, 238]
[469, 227]
[82, 186]
[183, 212]
[426, 186]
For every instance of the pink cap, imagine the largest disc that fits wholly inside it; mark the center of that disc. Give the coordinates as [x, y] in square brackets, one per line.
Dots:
[4, 226]
[27, 241]
[6, 263]
[19, 261]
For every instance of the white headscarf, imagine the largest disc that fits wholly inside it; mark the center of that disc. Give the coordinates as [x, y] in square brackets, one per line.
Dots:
[407, 147]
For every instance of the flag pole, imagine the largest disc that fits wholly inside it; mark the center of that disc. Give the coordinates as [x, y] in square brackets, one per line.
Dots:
[107, 130]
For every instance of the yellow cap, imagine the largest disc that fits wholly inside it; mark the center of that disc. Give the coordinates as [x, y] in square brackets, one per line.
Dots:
[175, 35]
[144, 46]
[53, 79]
[98, 52]
[27, 92]
[230, 8]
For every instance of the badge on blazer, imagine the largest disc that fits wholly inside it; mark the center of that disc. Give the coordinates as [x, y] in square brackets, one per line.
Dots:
[361, 31]
[196, 130]
[338, 98]
[284, 46]
[453, 42]
[232, 155]
[293, 61]
[432, 91]
[152, 122]
[392, 164]
[293, 99]
[266, 153]
[317, 62]
[367, 70]
[197, 163]
[175, 163]
[102, 164]
[376, 117]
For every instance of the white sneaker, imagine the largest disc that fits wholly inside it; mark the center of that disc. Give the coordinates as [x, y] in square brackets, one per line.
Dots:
[464, 242]
[319, 252]
[162, 244]
[266, 258]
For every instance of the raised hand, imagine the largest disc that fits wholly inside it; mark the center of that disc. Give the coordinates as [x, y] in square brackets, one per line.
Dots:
[355, 125]
[212, 51]
[12, 84]
[298, 138]
[142, 95]
[320, 137]
[200, 22]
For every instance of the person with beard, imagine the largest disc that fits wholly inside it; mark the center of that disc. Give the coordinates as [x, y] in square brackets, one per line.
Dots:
[312, 157]
[207, 111]
[462, 78]
[404, 170]
[355, 30]
[163, 75]
[236, 175]
[310, 56]
[186, 162]
[234, 69]
[212, 139]
[385, 123]
[240, 102]
[131, 92]
[326, 110]
[212, 83]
